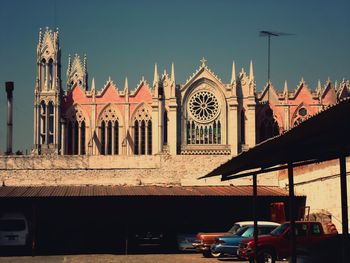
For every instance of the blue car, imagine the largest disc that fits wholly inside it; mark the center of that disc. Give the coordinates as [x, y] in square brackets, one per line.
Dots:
[228, 245]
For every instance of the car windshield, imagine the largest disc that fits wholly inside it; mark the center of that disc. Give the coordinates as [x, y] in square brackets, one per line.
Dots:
[234, 229]
[279, 230]
[12, 225]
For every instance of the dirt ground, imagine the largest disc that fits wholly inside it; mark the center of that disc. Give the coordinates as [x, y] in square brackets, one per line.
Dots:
[153, 258]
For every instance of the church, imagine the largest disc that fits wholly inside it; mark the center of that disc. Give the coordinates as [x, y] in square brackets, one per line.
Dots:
[202, 116]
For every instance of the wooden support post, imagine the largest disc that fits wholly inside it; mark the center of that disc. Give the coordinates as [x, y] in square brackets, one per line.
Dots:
[255, 194]
[33, 230]
[344, 207]
[291, 213]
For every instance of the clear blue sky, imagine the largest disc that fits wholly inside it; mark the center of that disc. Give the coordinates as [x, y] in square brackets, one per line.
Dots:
[126, 38]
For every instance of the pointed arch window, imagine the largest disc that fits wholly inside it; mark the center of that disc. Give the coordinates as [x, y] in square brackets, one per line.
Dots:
[50, 73]
[136, 137]
[43, 72]
[103, 138]
[143, 137]
[76, 132]
[116, 137]
[109, 138]
[188, 132]
[204, 115]
[50, 132]
[142, 131]
[75, 138]
[83, 137]
[43, 121]
[109, 131]
[149, 137]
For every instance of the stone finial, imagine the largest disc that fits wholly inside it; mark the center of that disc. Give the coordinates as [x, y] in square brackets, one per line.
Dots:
[285, 90]
[172, 72]
[318, 88]
[251, 72]
[156, 76]
[93, 90]
[233, 74]
[126, 89]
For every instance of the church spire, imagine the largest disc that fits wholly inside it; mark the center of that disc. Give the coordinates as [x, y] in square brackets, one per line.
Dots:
[233, 75]
[251, 72]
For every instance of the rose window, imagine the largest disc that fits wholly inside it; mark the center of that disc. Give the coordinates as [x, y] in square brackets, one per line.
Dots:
[204, 106]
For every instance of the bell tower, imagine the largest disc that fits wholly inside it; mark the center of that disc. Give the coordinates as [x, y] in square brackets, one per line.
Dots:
[47, 94]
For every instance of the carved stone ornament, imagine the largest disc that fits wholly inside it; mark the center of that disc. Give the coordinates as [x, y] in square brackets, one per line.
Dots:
[203, 106]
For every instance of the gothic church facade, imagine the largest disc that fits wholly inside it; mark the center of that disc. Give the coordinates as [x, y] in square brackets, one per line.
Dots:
[201, 116]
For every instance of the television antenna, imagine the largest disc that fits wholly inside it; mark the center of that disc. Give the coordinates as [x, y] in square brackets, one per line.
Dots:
[270, 34]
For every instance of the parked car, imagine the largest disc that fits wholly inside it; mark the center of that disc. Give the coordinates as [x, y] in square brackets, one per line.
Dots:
[14, 230]
[185, 242]
[276, 245]
[228, 245]
[205, 240]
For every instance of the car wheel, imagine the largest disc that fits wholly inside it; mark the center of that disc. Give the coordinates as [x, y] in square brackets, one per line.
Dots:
[216, 254]
[266, 256]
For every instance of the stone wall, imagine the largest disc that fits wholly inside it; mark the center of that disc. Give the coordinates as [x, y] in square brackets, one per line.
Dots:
[321, 184]
[115, 170]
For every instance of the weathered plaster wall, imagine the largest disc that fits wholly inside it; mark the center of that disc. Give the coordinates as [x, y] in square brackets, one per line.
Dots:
[115, 170]
[321, 185]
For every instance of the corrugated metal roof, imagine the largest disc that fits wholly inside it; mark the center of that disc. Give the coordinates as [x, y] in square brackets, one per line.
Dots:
[91, 191]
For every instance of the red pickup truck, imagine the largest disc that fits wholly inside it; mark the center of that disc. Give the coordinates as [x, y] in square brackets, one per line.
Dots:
[276, 245]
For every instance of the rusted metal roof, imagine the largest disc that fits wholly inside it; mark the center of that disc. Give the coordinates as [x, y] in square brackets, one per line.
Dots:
[122, 191]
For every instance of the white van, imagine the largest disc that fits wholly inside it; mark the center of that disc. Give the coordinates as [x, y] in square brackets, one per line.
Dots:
[13, 230]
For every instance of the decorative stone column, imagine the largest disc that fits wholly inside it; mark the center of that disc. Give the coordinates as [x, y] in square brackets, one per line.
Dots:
[232, 125]
[172, 127]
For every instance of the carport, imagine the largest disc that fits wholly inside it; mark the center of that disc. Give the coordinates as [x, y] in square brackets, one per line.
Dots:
[325, 136]
[105, 219]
